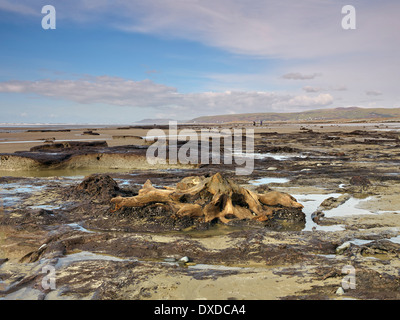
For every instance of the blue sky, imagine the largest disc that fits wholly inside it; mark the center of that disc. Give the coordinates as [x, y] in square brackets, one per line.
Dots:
[123, 61]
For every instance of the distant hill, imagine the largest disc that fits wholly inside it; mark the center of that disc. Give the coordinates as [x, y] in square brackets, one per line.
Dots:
[350, 113]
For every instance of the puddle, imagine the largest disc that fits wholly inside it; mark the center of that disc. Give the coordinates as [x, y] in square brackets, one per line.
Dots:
[268, 180]
[12, 193]
[260, 156]
[85, 256]
[395, 239]
[9, 201]
[123, 182]
[360, 242]
[45, 207]
[349, 208]
[311, 203]
[328, 256]
[215, 267]
[16, 188]
[78, 227]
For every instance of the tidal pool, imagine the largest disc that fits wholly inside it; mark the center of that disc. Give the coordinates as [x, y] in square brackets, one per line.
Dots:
[311, 203]
[85, 256]
[267, 180]
[275, 156]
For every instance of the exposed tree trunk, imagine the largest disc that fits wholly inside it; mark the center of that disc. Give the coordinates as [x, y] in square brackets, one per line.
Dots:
[211, 198]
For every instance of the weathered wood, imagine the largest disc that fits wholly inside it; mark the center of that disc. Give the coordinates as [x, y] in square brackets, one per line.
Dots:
[210, 198]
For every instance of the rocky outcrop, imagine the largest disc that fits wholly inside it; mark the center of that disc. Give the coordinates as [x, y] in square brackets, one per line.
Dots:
[70, 146]
[81, 155]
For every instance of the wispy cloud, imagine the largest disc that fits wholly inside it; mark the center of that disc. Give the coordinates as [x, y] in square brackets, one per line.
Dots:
[299, 76]
[19, 7]
[101, 89]
[301, 36]
[373, 93]
[319, 89]
[289, 29]
[147, 94]
[312, 89]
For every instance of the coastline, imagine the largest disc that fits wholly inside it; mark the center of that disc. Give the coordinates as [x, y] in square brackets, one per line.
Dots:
[79, 235]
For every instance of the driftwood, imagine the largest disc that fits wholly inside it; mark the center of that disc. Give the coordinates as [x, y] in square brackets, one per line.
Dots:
[210, 198]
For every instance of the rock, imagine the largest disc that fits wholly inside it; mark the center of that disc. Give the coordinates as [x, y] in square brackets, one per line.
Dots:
[49, 140]
[3, 260]
[69, 146]
[381, 246]
[333, 202]
[91, 133]
[316, 216]
[342, 248]
[360, 181]
[272, 168]
[332, 138]
[49, 130]
[263, 188]
[97, 187]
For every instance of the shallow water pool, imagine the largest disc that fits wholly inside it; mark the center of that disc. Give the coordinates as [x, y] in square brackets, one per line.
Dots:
[267, 180]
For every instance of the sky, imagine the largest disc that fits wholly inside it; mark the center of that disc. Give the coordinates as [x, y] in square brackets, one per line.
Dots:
[122, 61]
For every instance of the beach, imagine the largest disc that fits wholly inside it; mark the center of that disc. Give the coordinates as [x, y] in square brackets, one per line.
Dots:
[345, 175]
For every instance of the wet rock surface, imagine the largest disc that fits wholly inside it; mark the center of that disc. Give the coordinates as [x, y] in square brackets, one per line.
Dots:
[77, 154]
[67, 224]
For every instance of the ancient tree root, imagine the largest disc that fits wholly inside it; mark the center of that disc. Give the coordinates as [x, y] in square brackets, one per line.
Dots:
[210, 198]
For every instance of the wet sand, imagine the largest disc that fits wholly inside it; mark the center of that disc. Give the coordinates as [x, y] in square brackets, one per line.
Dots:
[102, 255]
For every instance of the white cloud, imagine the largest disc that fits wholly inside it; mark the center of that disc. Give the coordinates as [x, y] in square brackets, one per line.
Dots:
[19, 7]
[373, 93]
[324, 99]
[299, 76]
[304, 36]
[312, 89]
[101, 89]
[268, 28]
[147, 94]
[319, 89]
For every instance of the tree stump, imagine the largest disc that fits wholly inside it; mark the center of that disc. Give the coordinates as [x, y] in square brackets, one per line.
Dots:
[210, 198]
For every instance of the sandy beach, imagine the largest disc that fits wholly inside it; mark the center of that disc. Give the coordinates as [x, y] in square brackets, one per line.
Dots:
[345, 176]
